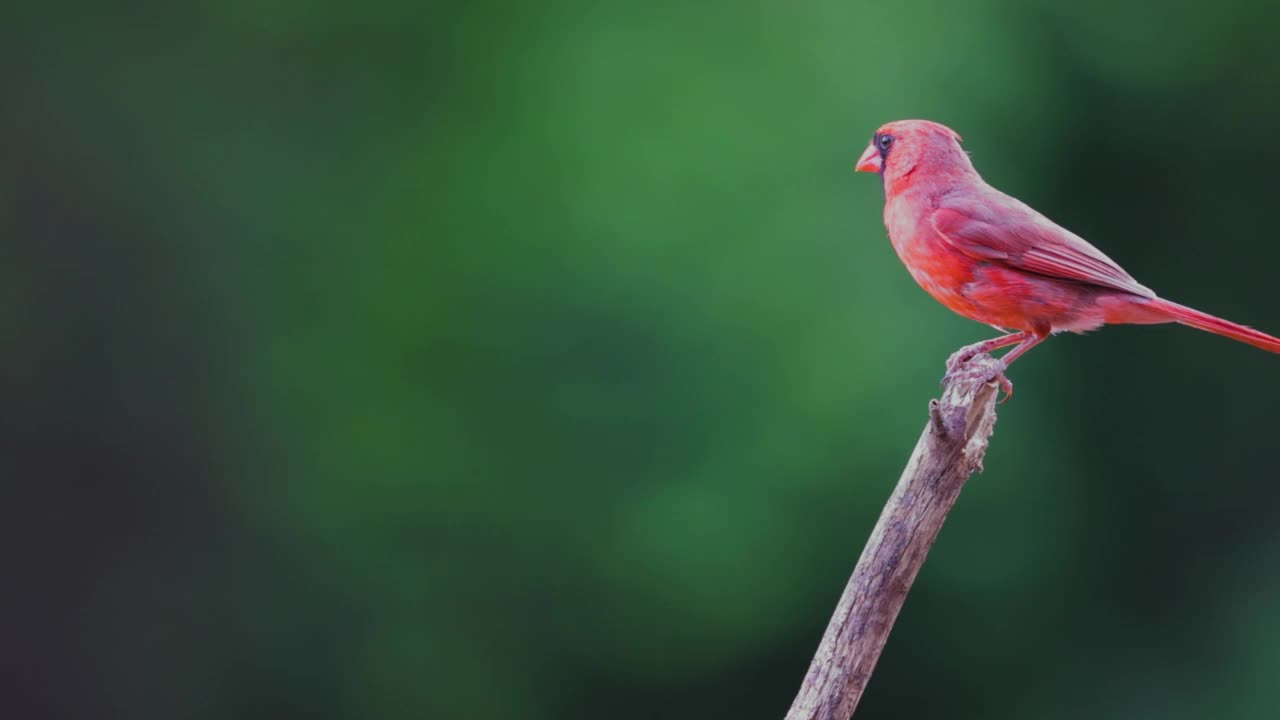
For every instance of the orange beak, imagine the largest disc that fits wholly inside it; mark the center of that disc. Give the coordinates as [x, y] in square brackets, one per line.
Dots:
[870, 160]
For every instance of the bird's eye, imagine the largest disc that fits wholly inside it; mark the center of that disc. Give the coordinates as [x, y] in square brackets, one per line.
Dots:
[884, 141]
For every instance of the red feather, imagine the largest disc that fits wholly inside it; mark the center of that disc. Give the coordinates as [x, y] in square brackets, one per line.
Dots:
[1018, 237]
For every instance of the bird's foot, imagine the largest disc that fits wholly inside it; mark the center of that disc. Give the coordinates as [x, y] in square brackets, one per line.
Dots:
[962, 356]
[993, 370]
[1005, 385]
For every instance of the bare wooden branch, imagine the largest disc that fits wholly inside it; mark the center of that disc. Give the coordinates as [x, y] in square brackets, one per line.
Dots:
[949, 451]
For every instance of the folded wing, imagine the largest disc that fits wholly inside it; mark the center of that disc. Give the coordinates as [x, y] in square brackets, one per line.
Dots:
[1002, 230]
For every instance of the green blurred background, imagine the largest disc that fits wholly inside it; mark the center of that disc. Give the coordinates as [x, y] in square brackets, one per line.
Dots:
[548, 360]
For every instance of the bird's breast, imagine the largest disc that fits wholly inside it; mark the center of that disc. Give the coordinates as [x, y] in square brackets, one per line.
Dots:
[935, 265]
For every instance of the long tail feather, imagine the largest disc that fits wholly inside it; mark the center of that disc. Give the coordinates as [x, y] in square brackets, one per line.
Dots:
[1216, 325]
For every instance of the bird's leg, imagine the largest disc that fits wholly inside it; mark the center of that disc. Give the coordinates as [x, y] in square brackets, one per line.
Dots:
[963, 355]
[1031, 341]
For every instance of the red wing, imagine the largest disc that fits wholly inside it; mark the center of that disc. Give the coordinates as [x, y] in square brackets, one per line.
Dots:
[1009, 233]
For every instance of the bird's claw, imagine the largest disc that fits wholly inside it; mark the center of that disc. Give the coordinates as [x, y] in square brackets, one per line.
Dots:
[962, 356]
[1005, 385]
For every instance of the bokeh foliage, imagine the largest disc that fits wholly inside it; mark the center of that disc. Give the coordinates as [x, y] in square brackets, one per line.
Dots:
[547, 360]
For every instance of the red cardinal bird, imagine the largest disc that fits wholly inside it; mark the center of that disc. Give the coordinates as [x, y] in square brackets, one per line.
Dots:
[993, 259]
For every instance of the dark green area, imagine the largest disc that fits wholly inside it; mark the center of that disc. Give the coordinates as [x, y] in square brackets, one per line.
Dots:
[548, 360]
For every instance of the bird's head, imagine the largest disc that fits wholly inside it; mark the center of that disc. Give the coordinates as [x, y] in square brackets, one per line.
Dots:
[900, 147]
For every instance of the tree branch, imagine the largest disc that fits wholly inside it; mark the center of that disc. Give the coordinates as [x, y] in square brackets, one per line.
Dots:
[949, 451]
